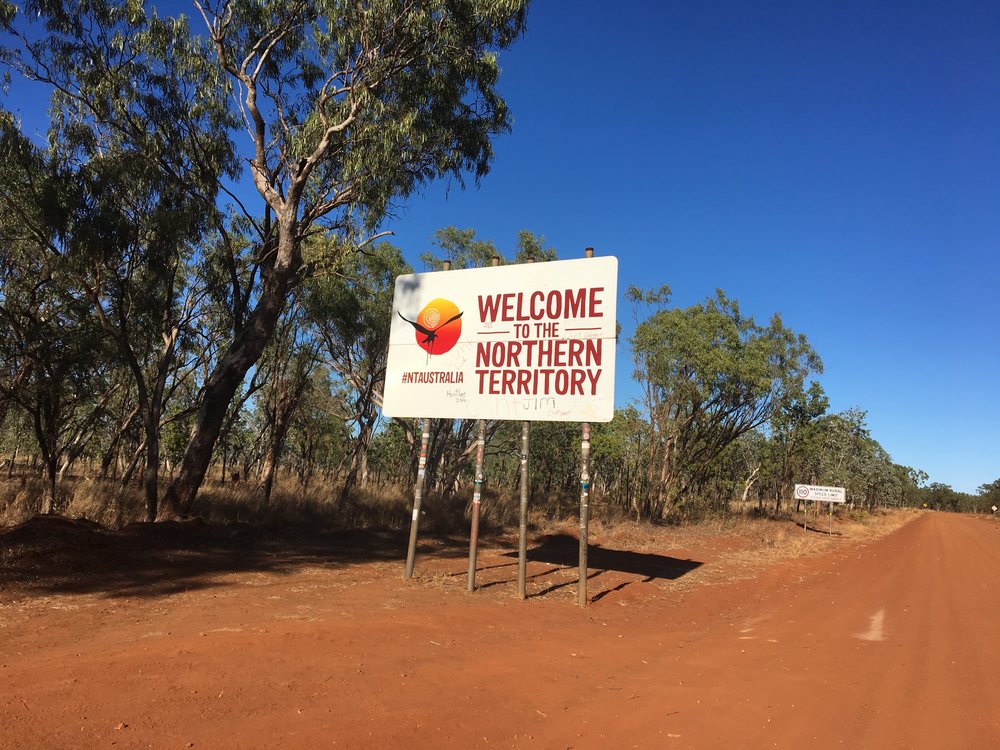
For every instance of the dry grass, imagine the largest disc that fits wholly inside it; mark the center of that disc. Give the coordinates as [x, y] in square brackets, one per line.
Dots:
[320, 507]
[737, 547]
[742, 542]
[107, 503]
[764, 542]
[103, 502]
[865, 525]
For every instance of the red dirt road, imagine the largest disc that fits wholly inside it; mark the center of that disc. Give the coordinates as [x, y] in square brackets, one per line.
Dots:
[889, 644]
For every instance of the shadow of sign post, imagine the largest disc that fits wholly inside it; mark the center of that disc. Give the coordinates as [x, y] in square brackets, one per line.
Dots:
[563, 550]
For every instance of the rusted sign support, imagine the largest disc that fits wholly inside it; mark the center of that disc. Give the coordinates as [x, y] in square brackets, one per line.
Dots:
[477, 492]
[477, 501]
[418, 487]
[418, 496]
[522, 537]
[522, 540]
[581, 595]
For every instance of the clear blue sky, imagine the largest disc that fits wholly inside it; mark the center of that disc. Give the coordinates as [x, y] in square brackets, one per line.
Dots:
[838, 163]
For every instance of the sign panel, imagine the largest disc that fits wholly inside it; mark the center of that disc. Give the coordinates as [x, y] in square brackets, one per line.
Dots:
[820, 494]
[529, 342]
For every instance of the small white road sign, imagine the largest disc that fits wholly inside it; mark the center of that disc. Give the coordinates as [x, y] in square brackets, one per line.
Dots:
[820, 494]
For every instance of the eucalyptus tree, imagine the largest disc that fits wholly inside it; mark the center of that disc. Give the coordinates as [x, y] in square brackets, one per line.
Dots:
[318, 438]
[138, 129]
[617, 457]
[709, 374]
[121, 235]
[389, 458]
[881, 485]
[531, 247]
[48, 334]
[850, 457]
[133, 245]
[792, 426]
[342, 107]
[554, 466]
[462, 249]
[749, 455]
[51, 357]
[351, 312]
[844, 439]
[288, 361]
[940, 496]
[348, 106]
[988, 496]
[12, 431]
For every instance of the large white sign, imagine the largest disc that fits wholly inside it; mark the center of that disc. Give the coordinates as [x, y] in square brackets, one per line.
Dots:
[526, 342]
[820, 494]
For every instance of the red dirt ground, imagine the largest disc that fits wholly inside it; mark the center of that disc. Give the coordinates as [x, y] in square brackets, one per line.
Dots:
[190, 636]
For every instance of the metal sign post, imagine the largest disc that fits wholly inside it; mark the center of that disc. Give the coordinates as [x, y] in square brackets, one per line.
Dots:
[581, 595]
[477, 492]
[522, 539]
[418, 487]
[418, 495]
[581, 590]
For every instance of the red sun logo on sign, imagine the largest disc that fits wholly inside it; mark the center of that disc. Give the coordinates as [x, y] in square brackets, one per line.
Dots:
[438, 326]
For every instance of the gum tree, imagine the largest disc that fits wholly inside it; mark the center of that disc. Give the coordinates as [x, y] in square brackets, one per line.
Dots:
[709, 374]
[351, 314]
[331, 110]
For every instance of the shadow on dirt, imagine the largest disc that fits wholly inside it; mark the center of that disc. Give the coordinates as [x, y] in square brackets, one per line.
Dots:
[820, 530]
[52, 554]
[563, 550]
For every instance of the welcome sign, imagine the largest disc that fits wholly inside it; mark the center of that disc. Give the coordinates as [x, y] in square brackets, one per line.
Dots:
[527, 342]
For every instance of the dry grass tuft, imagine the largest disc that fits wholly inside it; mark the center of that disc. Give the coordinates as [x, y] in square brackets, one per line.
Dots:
[320, 507]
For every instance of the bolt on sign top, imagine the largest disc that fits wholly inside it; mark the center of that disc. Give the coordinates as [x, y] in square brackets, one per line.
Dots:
[532, 342]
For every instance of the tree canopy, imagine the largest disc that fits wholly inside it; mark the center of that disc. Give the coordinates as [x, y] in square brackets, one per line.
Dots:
[331, 110]
[710, 374]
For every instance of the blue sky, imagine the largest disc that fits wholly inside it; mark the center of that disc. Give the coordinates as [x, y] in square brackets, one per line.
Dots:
[838, 163]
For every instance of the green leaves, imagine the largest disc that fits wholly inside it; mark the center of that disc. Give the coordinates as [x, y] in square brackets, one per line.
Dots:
[710, 374]
[354, 104]
[7, 11]
[463, 250]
